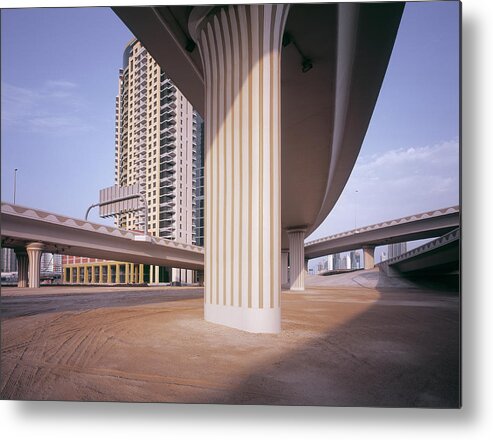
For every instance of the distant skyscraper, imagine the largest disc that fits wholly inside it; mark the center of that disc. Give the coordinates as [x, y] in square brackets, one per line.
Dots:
[9, 260]
[346, 262]
[51, 262]
[330, 262]
[396, 249]
[355, 259]
[159, 146]
[337, 261]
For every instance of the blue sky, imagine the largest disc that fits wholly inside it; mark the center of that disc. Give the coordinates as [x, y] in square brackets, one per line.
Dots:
[409, 160]
[59, 82]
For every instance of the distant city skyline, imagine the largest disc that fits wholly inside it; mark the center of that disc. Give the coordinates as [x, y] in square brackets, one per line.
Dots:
[58, 114]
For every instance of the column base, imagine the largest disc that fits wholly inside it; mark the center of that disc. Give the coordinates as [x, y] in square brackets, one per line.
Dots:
[297, 289]
[247, 319]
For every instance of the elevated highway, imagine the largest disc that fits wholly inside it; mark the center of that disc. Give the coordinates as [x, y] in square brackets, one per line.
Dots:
[33, 231]
[440, 256]
[415, 227]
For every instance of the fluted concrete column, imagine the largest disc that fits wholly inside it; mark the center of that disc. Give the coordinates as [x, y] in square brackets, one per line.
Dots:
[369, 257]
[297, 258]
[101, 280]
[284, 267]
[132, 273]
[156, 275]
[22, 267]
[34, 251]
[240, 47]
[141, 273]
[151, 274]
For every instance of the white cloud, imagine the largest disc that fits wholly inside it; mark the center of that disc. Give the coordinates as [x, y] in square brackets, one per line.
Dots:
[53, 109]
[61, 84]
[394, 184]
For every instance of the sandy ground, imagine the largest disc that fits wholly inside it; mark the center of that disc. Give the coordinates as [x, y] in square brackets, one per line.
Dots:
[342, 343]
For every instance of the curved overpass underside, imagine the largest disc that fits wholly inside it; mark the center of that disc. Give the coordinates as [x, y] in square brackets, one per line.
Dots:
[288, 91]
[325, 111]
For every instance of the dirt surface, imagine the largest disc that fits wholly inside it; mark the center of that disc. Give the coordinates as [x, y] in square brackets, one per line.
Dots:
[340, 345]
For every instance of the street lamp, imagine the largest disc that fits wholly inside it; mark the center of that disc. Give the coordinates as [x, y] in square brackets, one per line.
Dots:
[355, 206]
[15, 182]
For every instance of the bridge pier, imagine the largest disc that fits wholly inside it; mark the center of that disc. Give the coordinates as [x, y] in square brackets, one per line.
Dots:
[240, 46]
[369, 257]
[34, 251]
[297, 258]
[22, 267]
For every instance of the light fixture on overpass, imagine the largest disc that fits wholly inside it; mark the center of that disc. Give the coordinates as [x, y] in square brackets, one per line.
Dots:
[306, 63]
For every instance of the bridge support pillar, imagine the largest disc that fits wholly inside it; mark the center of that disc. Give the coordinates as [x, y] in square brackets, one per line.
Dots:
[22, 267]
[297, 258]
[369, 257]
[284, 268]
[240, 46]
[34, 251]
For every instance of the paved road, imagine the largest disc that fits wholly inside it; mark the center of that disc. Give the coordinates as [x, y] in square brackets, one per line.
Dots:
[340, 345]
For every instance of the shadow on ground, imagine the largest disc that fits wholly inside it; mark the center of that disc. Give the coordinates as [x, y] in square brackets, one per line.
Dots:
[402, 351]
[29, 305]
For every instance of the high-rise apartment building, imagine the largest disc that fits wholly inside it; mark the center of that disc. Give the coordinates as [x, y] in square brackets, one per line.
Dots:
[51, 262]
[354, 256]
[396, 249]
[8, 260]
[159, 146]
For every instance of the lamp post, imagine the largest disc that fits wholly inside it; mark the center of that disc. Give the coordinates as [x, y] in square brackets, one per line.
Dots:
[15, 182]
[355, 206]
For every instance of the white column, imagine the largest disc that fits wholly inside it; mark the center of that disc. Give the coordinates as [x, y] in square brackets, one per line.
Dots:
[189, 276]
[369, 257]
[34, 251]
[151, 274]
[175, 275]
[240, 47]
[284, 268]
[297, 258]
[22, 267]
